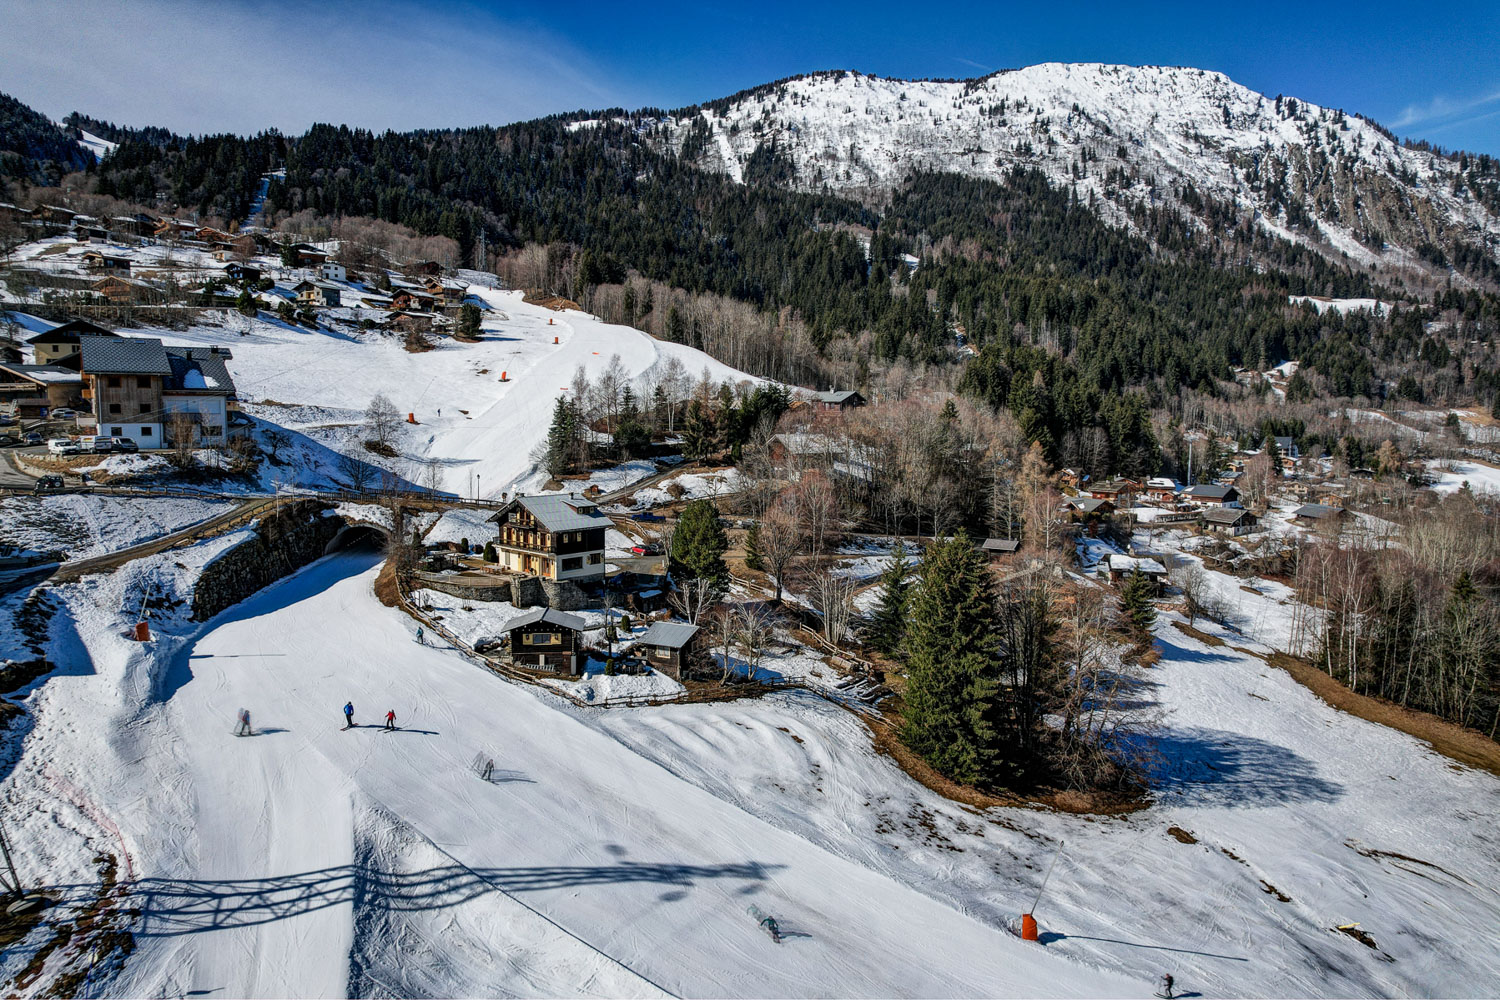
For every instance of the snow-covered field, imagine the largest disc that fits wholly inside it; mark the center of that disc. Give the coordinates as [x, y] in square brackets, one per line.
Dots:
[1481, 478]
[81, 525]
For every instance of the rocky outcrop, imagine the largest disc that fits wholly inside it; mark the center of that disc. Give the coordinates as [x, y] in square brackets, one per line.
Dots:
[284, 541]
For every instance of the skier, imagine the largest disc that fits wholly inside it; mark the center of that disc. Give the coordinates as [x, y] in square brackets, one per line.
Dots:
[1166, 987]
[244, 729]
[390, 719]
[489, 770]
[349, 715]
[772, 928]
[420, 640]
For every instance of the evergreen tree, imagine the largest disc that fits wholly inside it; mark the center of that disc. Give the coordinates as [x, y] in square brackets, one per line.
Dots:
[289, 256]
[888, 624]
[560, 438]
[632, 437]
[698, 545]
[1136, 610]
[697, 432]
[951, 666]
[752, 547]
[246, 303]
[468, 321]
[491, 555]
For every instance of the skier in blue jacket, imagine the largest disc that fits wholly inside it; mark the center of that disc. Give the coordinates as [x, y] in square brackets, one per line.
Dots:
[349, 715]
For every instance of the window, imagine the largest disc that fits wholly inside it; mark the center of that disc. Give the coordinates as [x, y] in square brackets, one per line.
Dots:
[117, 432]
[143, 381]
[544, 639]
[574, 563]
[595, 558]
[145, 407]
[114, 407]
[113, 381]
[145, 432]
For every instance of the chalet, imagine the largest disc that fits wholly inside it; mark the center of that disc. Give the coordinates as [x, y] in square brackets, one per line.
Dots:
[1161, 490]
[139, 224]
[1288, 447]
[543, 639]
[796, 448]
[308, 255]
[96, 261]
[55, 214]
[175, 229]
[208, 234]
[62, 341]
[333, 271]
[1332, 496]
[1232, 521]
[413, 300]
[1316, 515]
[1120, 492]
[91, 231]
[425, 268]
[997, 549]
[670, 647]
[34, 388]
[123, 380]
[1086, 508]
[846, 399]
[1121, 567]
[556, 537]
[317, 293]
[1069, 479]
[446, 292]
[1212, 495]
[119, 289]
[237, 271]
[409, 320]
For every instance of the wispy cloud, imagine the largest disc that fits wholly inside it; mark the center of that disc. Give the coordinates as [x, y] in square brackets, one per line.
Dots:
[969, 62]
[1445, 110]
[247, 65]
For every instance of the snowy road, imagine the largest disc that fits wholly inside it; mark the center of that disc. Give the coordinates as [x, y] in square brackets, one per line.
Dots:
[316, 861]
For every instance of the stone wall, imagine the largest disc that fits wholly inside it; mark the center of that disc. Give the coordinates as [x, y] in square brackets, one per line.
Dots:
[284, 542]
[500, 591]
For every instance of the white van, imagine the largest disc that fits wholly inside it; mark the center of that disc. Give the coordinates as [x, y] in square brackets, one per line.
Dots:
[63, 446]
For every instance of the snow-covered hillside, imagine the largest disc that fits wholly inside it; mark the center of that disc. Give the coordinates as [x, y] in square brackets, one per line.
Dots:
[1119, 134]
[479, 429]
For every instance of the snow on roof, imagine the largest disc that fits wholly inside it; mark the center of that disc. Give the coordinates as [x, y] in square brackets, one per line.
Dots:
[561, 512]
[44, 373]
[1129, 564]
[1161, 483]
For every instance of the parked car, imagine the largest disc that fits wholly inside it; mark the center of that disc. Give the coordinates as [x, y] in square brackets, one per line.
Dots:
[48, 483]
[645, 550]
[63, 413]
[6, 440]
[103, 445]
[127, 445]
[61, 446]
[31, 437]
[6, 419]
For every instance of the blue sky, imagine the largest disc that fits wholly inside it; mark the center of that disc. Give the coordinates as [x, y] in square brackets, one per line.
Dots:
[1426, 72]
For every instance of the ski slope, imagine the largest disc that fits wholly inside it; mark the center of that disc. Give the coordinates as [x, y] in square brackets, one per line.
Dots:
[486, 429]
[312, 861]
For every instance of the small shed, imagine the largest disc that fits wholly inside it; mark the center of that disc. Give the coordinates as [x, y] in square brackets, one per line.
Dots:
[997, 549]
[667, 646]
[547, 640]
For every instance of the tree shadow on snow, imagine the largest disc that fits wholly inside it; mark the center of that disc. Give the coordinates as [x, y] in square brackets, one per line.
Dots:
[171, 907]
[1212, 767]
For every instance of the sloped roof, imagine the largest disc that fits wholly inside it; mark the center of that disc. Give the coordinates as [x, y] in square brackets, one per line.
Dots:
[199, 369]
[44, 373]
[560, 512]
[673, 635]
[546, 616]
[836, 397]
[1129, 564]
[121, 356]
[1000, 545]
[1318, 511]
[69, 332]
[1226, 515]
[1207, 491]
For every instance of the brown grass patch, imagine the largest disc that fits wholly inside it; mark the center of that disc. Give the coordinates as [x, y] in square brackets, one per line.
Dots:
[1203, 637]
[380, 448]
[1466, 746]
[386, 591]
[1181, 836]
[554, 302]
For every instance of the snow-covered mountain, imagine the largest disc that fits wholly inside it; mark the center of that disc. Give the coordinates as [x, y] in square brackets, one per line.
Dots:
[1121, 135]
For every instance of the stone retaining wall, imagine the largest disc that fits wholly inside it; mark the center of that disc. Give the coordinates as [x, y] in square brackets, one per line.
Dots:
[284, 542]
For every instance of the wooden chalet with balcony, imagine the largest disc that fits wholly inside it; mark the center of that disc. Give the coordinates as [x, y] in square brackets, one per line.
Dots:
[547, 640]
[555, 537]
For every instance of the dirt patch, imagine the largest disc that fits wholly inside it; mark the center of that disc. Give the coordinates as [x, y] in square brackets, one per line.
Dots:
[96, 940]
[1180, 835]
[380, 448]
[793, 735]
[14, 675]
[1466, 746]
[1271, 890]
[1353, 931]
[386, 591]
[1203, 637]
[1370, 852]
[554, 302]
